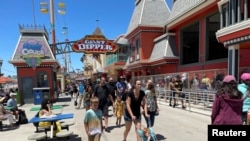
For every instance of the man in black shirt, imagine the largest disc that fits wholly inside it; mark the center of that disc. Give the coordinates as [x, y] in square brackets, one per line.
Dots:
[103, 94]
[112, 89]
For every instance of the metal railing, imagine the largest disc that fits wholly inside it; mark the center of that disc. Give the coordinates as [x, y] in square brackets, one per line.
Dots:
[194, 101]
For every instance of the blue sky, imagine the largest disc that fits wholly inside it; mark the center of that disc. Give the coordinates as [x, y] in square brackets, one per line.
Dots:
[80, 19]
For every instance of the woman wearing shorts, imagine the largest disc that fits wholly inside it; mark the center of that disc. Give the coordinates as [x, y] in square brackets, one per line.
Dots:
[135, 99]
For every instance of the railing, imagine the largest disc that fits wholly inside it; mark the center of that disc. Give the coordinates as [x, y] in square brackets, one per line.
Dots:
[195, 101]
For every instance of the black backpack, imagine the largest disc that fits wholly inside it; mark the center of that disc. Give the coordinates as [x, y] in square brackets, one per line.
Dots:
[22, 117]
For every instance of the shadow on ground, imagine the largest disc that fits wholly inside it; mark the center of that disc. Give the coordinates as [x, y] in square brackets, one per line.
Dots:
[73, 137]
[160, 137]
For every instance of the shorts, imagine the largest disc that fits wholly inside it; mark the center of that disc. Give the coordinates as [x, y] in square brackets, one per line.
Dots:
[128, 118]
[182, 95]
[104, 108]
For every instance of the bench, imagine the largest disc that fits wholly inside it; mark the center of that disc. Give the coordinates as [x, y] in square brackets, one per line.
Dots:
[1, 123]
[37, 136]
[64, 134]
[65, 125]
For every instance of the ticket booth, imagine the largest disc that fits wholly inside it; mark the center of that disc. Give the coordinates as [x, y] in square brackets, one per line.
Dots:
[35, 63]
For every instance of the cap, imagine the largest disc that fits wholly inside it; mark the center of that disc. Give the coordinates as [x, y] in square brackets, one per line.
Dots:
[98, 80]
[2, 99]
[245, 76]
[12, 94]
[229, 78]
[121, 77]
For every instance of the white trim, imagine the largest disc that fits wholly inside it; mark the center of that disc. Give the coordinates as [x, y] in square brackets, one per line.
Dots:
[233, 28]
[189, 12]
[220, 3]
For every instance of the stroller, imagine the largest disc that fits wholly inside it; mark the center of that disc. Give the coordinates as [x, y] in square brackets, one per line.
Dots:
[150, 132]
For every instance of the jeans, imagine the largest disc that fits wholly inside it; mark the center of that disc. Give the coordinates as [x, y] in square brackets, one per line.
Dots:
[150, 120]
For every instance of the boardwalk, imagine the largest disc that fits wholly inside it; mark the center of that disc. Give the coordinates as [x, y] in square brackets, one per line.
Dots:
[173, 124]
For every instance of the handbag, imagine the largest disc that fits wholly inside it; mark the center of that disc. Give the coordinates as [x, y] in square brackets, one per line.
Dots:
[157, 113]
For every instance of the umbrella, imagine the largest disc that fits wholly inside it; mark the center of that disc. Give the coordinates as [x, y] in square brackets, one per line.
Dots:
[4, 80]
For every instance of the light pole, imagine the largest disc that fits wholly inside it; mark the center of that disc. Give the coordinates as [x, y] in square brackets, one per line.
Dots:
[1, 63]
[44, 9]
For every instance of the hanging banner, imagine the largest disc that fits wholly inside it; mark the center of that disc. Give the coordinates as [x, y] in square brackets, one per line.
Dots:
[94, 44]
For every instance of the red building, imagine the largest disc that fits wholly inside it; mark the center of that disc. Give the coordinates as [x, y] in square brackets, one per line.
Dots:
[194, 37]
[36, 65]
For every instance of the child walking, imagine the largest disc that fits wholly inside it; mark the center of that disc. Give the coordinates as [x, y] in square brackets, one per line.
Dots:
[93, 121]
[119, 109]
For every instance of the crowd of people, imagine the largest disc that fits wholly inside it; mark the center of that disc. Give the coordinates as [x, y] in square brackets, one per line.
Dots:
[128, 101]
[232, 101]
[130, 104]
[13, 113]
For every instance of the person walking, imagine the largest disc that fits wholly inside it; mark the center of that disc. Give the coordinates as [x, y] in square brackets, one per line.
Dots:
[93, 121]
[119, 110]
[102, 92]
[87, 96]
[80, 96]
[135, 98]
[178, 85]
[173, 91]
[244, 89]
[121, 88]
[227, 106]
[113, 90]
[152, 106]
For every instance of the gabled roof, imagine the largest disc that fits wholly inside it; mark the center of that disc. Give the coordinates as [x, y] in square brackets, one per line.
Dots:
[33, 49]
[164, 47]
[149, 13]
[180, 7]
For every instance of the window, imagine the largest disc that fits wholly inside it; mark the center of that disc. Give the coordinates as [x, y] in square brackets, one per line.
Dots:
[190, 44]
[137, 49]
[42, 79]
[214, 49]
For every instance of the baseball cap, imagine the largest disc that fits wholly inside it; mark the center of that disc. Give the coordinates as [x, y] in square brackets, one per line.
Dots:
[229, 78]
[245, 76]
[12, 94]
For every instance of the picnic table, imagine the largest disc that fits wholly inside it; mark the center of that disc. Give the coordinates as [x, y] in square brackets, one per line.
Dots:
[54, 107]
[51, 119]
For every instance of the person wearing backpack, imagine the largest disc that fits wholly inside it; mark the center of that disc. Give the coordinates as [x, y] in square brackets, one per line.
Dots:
[152, 106]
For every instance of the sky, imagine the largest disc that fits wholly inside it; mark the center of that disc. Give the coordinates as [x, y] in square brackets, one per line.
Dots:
[82, 18]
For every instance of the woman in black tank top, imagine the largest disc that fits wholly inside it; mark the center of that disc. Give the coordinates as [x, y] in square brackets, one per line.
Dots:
[135, 99]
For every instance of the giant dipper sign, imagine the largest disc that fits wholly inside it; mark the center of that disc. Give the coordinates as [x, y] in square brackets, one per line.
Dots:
[94, 44]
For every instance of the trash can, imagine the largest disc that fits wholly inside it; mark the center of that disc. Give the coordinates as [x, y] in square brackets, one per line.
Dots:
[37, 96]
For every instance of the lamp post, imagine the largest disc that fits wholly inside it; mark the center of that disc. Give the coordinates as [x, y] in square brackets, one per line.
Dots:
[62, 10]
[1, 63]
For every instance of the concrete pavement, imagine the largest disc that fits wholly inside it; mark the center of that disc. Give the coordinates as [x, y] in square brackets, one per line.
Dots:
[172, 124]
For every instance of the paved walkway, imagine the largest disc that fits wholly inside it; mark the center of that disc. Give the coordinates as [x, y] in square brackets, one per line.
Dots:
[173, 124]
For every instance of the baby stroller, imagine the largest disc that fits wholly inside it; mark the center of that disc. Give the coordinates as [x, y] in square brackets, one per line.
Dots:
[151, 134]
